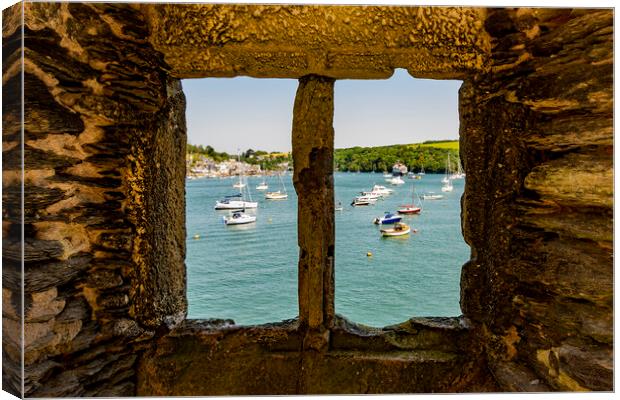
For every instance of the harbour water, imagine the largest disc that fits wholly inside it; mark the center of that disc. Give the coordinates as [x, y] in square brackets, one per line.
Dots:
[248, 273]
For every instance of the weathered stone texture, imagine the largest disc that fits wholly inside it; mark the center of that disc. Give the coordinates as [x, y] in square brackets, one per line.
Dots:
[313, 158]
[291, 41]
[536, 136]
[12, 210]
[220, 359]
[103, 220]
[103, 226]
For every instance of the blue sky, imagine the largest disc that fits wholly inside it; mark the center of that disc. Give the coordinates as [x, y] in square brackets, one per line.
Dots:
[232, 113]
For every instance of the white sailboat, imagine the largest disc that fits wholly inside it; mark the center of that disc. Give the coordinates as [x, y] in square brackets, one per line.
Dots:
[382, 190]
[237, 201]
[447, 180]
[447, 187]
[459, 174]
[262, 186]
[240, 184]
[278, 195]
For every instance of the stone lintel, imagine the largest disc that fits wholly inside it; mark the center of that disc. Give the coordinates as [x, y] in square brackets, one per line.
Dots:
[291, 41]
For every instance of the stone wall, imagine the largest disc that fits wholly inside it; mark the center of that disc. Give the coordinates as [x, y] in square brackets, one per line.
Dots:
[536, 138]
[12, 210]
[104, 141]
[104, 138]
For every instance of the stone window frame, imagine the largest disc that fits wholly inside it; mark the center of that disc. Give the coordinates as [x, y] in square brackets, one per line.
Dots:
[225, 51]
[318, 331]
[537, 95]
[313, 112]
[312, 134]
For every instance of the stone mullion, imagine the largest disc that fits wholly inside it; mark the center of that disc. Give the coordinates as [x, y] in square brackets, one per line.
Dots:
[313, 147]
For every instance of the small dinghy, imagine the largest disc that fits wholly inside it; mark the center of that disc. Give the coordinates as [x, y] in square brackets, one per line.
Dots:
[399, 229]
[276, 195]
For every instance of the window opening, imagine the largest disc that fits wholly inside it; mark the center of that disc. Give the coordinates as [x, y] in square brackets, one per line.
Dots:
[396, 136]
[242, 264]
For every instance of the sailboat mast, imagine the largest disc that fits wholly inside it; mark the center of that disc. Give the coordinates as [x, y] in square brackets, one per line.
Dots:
[247, 189]
[282, 183]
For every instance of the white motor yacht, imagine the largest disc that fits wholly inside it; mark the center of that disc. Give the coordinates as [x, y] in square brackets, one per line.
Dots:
[239, 218]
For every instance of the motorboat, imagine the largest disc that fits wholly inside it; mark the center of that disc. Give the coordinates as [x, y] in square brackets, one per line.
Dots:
[382, 190]
[358, 201]
[387, 219]
[399, 229]
[239, 218]
[372, 195]
[397, 180]
[375, 195]
[369, 199]
[432, 196]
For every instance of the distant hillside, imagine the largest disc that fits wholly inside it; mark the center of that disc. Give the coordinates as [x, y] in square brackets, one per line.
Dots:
[430, 155]
[442, 144]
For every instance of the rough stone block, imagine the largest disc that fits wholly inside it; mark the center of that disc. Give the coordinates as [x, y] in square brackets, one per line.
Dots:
[43, 306]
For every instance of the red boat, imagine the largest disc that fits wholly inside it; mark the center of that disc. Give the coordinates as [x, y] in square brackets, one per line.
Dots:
[409, 209]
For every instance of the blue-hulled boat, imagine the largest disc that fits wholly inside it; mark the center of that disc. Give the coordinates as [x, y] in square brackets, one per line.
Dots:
[387, 219]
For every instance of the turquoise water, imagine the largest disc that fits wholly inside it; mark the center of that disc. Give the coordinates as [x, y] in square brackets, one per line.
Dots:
[249, 273]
